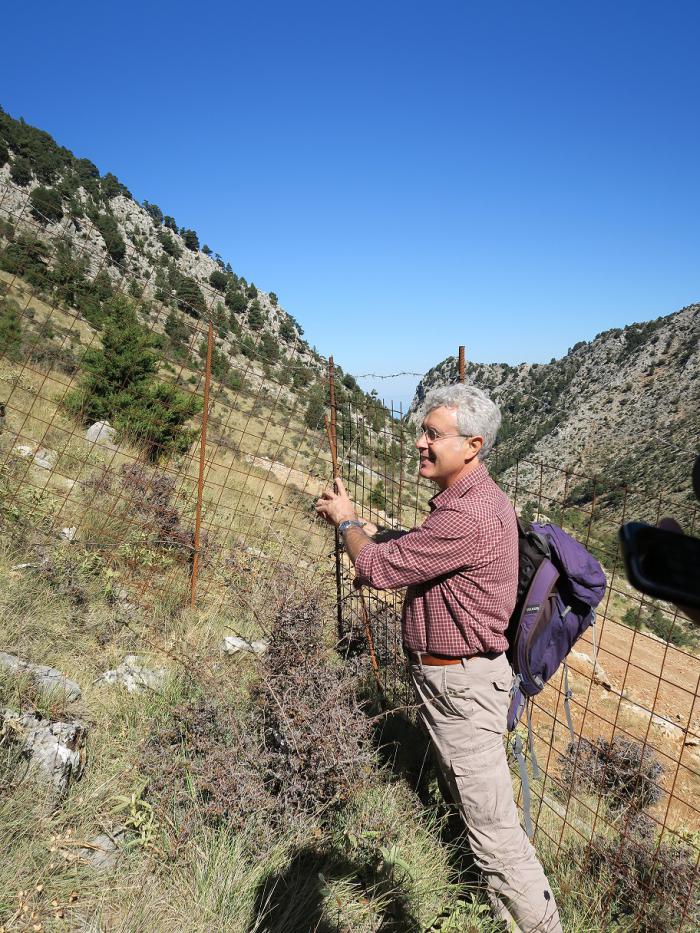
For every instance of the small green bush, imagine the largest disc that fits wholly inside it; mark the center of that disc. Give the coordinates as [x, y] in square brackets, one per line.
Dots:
[189, 296]
[46, 205]
[219, 280]
[169, 244]
[21, 172]
[10, 329]
[114, 242]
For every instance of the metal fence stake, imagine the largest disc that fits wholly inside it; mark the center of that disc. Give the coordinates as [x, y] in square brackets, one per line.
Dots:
[200, 483]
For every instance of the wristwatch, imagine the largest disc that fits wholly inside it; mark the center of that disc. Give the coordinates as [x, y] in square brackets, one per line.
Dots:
[350, 523]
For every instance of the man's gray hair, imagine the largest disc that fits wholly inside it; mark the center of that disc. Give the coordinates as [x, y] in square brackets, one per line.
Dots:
[475, 413]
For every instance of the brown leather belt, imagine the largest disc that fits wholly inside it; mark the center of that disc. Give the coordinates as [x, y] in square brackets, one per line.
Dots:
[432, 660]
[440, 660]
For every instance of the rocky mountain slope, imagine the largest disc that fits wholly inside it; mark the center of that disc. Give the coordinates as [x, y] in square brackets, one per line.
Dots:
[623, 408]
[91, 237]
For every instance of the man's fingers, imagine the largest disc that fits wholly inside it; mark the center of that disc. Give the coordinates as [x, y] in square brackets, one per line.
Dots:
[340, 489]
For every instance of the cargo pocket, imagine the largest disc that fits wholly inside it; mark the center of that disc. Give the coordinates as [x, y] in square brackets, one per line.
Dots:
[502, 687]
[484, 789]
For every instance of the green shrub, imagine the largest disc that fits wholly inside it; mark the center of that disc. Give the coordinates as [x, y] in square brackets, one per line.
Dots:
[287, 330]
[155, 213]
[662, 624]
[91, 298]
[21, 172]
[189, 296]
[46, 204]
[114, 242]
[269, 348]
[256, 319]
[314, 416]
[236, 301]
[190, 238]
[179, 334]
[377, 497]
[86, 170]
[10, 329]
[119, 385]
[26, 256]
[171, 247]
[111, 187]
[218, 280]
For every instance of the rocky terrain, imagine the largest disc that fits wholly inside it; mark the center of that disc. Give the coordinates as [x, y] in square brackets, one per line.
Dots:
[79, 236]
[623, 408]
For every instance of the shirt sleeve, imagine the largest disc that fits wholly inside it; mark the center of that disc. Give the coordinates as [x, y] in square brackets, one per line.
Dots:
[445, 542]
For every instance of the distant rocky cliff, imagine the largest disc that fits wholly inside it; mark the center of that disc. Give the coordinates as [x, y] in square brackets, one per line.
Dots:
[624, 407]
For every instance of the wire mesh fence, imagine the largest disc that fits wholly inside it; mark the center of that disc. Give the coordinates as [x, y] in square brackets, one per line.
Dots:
[634, 703]
[208, 488]
[133, 494]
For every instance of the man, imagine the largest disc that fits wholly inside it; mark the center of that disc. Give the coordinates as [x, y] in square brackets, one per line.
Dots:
[460, 569]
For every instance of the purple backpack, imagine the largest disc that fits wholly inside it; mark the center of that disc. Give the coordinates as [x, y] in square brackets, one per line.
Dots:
[559, 586]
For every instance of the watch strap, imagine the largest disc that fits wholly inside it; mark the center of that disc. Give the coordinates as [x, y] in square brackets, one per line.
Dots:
[350, 523]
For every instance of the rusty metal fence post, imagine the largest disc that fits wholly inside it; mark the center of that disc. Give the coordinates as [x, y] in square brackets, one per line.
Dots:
[200, 482]
[332, 434]
[461, 365]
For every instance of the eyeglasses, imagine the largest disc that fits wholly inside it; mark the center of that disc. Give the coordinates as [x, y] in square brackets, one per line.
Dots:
[431, 435]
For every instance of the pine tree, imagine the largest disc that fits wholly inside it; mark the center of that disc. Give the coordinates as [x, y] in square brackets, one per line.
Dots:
[315, 413]
[125, 364]
[119, 385]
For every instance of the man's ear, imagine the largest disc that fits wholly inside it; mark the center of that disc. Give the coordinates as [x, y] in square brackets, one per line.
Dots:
[474, 445]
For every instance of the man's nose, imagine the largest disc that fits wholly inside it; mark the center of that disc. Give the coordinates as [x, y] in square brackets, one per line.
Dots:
[421, 442]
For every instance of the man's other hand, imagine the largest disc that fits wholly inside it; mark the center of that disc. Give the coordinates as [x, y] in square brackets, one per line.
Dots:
[335, 506]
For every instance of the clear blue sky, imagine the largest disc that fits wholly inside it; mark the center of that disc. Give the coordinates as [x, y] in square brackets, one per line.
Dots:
[407, 176]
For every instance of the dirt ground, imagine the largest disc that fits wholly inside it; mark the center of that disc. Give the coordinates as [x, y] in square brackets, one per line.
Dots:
[643, 689]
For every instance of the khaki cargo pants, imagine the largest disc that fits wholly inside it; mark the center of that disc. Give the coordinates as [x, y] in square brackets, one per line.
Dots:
[463, 708]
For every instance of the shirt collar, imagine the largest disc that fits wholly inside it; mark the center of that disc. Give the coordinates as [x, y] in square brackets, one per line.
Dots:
[461, 487]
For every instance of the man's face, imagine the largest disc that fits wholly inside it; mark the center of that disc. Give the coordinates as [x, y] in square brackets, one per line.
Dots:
[444, 459]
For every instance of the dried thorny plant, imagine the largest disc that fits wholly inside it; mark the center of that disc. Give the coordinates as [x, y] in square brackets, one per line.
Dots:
[624, 772]
[385, 629]
[316, 736]
[655, 883]
[152, 495]
[202, 763]
[300, 746]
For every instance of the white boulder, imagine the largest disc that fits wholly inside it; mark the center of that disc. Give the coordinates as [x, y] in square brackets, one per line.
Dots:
[233, 644]
[55, 750]
[133, 676]
[48, 678]
[101, 432]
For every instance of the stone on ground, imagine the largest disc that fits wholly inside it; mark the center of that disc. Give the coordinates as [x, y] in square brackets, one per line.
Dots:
[101, 432]
[55, 750]
[133, 676]
[233, 644]
[48, 678]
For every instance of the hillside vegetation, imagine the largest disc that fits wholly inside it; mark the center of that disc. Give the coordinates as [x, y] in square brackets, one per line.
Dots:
[624, 408]
[232, 766]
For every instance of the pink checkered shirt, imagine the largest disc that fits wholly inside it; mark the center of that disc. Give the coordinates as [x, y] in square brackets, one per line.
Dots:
[460, 567]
